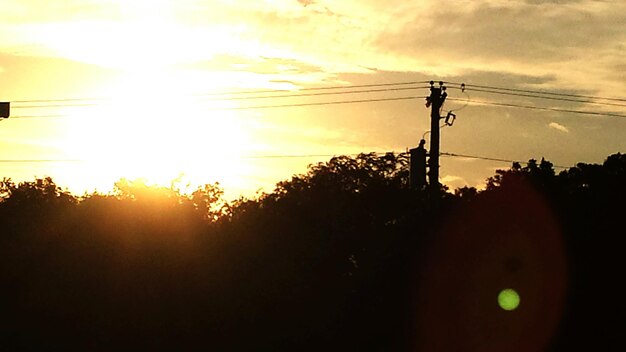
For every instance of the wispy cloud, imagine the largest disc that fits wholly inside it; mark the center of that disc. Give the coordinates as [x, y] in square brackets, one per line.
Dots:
[558, 127]
[454, 182]
[576, 41]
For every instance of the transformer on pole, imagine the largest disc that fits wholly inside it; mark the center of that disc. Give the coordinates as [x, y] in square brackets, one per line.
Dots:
[5, 110]
[417, 171]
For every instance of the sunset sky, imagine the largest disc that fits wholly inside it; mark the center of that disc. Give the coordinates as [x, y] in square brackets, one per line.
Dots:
[153, 65]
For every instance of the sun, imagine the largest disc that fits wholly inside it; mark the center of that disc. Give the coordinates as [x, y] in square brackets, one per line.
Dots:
[152, 123]
[152, 127]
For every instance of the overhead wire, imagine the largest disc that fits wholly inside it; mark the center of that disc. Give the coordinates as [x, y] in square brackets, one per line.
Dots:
[291, 156]
[314, 94]
[275, 156]
[493, 159]
[540, 92]
[542, 97]
[429, 131]
[280, 94]
[467, 101]
[37, 116]
[314, 104]
[54, 106]
[477, 102]
[598, 113]
[316, 88]
[239, 98]
[480, 88]
[265, 91]
[59, 100]
[256, 107]
[37, 161]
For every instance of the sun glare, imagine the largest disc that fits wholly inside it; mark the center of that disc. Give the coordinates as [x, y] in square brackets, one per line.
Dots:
[152, 123]
[144, 34]
[151, 128]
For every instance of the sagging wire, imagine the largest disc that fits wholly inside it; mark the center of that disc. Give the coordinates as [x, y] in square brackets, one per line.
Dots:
[451, 116]
[440, 127]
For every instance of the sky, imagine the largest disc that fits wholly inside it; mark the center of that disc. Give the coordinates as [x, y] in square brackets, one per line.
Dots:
[154, 69]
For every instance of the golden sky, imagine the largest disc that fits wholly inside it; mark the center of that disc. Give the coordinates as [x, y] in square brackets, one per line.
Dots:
[152, 63]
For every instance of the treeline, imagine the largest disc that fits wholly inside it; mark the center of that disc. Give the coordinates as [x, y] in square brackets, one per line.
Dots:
[346, 256]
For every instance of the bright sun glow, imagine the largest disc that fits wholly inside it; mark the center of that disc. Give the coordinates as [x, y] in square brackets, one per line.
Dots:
[152, 128]
[146, 35]
[151, 123]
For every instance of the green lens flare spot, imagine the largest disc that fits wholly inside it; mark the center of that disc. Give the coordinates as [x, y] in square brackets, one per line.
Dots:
[508, 299]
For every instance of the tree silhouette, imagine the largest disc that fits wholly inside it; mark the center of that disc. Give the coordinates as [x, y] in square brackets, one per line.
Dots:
[340, 257]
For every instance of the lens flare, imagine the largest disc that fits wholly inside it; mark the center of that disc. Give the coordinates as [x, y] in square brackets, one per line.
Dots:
[508, 299]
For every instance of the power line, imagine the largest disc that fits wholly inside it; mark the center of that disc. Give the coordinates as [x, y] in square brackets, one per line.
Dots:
[277, 156]
[55, 106]
[274, 156]
[289, 156]
[481, 102]
[241, 98]
[281, 105]
[37, 116]
[295, 156]
[364, 100]
[541, 108]
[541, 92]
[542, 97]
[315, 104]
[61, 100]
[38, 161]
[314, 94]
[482, 88]
[316, 88]
[493, 159]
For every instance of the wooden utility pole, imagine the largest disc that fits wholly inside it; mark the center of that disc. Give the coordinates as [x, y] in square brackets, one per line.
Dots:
[435, 101]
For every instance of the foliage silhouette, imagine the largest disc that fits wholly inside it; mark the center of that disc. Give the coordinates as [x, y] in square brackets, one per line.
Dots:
[339, 257]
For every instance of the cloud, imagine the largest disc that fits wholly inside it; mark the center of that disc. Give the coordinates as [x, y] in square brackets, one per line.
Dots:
[454, 182]
[558, 127]
[552, 43]
[570, 40]
[31, 11]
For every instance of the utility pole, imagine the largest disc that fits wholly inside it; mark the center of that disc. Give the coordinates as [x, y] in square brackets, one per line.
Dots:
[435, 102]
[5, 110]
